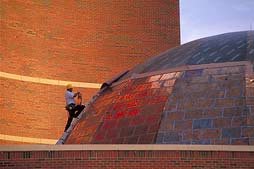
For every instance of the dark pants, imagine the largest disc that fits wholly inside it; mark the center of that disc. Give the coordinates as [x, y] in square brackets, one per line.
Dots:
[73, 114]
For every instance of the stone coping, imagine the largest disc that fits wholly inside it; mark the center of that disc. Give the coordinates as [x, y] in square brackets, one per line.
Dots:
[117, 147]
[48, 81]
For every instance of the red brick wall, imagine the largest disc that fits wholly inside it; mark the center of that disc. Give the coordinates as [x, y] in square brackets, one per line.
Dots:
[87, 41]
[33, 110]
[134, 159]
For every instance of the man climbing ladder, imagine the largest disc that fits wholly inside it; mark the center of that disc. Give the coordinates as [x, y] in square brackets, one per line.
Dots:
[72, 107]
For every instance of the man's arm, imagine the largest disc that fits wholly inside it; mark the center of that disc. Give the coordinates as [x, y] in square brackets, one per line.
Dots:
[76, 94]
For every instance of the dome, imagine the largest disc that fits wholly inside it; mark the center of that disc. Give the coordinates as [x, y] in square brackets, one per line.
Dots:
[199, 93]
[228, 47]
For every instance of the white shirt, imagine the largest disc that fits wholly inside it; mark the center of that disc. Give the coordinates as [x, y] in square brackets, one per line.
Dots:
[69, 98]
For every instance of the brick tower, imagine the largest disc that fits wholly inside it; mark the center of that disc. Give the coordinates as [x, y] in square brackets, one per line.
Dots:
[46, 44]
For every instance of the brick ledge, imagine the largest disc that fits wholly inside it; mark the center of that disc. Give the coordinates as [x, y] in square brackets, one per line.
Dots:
[145, 147]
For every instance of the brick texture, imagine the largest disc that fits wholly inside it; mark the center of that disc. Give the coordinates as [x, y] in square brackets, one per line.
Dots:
[84, 41]
[88, 41]
[127, 159]
[34, 110]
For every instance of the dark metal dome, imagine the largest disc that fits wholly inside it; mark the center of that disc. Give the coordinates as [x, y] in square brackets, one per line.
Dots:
[229, 47]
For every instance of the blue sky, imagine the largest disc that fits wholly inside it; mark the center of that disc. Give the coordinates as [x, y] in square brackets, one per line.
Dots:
[202, 18]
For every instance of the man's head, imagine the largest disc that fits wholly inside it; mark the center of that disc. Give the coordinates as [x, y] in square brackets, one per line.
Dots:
[69, 87]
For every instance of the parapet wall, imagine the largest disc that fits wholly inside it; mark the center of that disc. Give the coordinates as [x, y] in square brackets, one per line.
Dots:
[127, 156]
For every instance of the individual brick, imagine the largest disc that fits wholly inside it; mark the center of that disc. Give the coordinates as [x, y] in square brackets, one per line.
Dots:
[239, 101]
[147, 139]
[154, 118]
[178, 74]
[139, 81]
[250, 101]
[156, 85]
[231, 132]
[239, 121]
[201, 142]
[235, 92]
[204, 103]
[165, 91]
[99, 136]
[250, 91]
[193, 73]
[212, 71]
[112, 133]
[132, 104]
[154, 128]
[152, 109]
[197, 134]
[224, 141]
[251, 141]
[202, 124]
[169, 83]
[138, 120]
[187, 135]
[248, 132]
[222, 122]
[171, 136]
[126, 132]
[250, 121]
[158, 99]
[166, 124]
[200, 79]
[142, 94]
[131, 140]
[216, 93]
[140, 130]
[209, 113]
[159, 139]
[211, 134]
[128, 97]
[154, 78]
[119, 115]
[178, 115]
[195, 95]
[227, 102]
[198, 87]
[232, 111]
[240, 141]
[183, 124]
[123, 123]
[109, 124]
[117, 141]
[186, 105]
[142, 87]
[168, 76]
[193, 114]
[134, 112]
